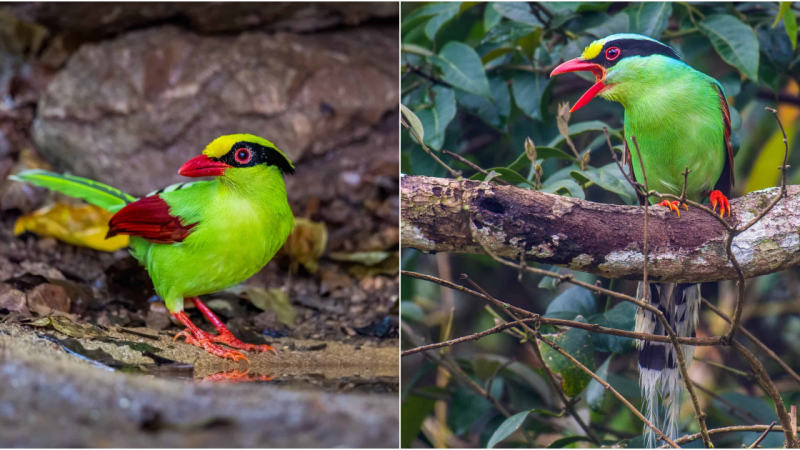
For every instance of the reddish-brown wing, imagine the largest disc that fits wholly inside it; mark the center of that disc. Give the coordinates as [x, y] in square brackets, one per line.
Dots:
[726, 180]
[149, 218]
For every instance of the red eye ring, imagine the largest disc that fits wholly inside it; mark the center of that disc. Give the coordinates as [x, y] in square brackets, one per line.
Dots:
[612, 55]
[243, 155]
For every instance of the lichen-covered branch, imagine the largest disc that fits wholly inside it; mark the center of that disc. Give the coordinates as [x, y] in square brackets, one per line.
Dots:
[602, 239]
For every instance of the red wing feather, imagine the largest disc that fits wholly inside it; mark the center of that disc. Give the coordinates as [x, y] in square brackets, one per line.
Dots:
[726, 118]
[149, 218]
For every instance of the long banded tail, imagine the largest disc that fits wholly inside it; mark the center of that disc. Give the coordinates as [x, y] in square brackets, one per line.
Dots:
[98, 194]
[659, 375]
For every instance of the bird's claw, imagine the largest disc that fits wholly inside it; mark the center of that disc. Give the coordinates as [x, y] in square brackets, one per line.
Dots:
[205, 340]
[717, 198]
[227, 338]
[673, 206]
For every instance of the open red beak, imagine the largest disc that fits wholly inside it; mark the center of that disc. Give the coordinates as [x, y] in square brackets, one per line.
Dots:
[579, 65]
[203, 166]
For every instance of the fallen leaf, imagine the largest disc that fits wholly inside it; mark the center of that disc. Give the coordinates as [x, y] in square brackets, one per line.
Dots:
[306, 244]
[46, 298]
[83, 225]
[272, 299]
[12, 299]
[68, 327]
[390, 267]
[365, 258]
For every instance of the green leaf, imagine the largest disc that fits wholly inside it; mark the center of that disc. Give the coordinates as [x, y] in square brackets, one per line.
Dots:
[578, 344]
[490, 17]
[563, 442]
[650, 18]
[409, 311]
[435, 120]
[620, 317]
[416, 50]
[575, 301]
[517, 12]
[493, 111]
[790, 22]
[413, 413]
[436, 22]
[785, 6]
[549, 283]
[609, 178]
[596, 393]
[465, 408]
[462, 68]
[735, 42]
[420, 15]
[585, 127]
[542, 153]
[496, 53]
[413, 121]
[617, 24]
[571, 188]
[507, 428]
[507, 32]
[528, 89]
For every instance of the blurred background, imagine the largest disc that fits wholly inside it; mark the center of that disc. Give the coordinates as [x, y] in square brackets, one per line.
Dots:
[125, 93]
[508, 51]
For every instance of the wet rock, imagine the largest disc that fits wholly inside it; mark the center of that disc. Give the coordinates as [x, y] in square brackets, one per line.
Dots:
[129, 111]
[214, 17]
[46, 298]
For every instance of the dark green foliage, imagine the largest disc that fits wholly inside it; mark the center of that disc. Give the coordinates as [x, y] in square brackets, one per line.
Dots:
[477, 77]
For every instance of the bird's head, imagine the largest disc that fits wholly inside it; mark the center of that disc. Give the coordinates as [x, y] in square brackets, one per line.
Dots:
[618, 62]
[238, 156]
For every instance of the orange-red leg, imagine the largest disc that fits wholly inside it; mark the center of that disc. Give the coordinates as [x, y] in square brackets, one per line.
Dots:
[673, 205]
[717, 198]
[225, 336]
[200, 338]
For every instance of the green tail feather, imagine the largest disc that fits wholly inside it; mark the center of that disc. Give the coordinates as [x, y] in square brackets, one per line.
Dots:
[93, 192]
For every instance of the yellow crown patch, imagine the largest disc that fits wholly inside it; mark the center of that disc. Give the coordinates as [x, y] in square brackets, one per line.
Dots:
[592, 50]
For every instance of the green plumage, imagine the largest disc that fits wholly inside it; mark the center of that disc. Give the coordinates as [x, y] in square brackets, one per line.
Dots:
[242, 219]
[675, 113]
[93, 192]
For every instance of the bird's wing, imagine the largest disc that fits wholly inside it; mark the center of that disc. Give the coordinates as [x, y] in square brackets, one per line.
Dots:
[149, 218]
[726, 180]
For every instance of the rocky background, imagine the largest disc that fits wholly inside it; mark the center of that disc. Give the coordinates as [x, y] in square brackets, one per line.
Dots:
[126, 93]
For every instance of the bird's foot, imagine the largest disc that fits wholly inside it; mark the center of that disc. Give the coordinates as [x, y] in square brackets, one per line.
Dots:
[673, 205]
[206, 341]
[225, 336]
[717, 198]
[200, 338]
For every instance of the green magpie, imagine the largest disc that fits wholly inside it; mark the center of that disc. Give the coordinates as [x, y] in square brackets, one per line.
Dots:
[680, 118]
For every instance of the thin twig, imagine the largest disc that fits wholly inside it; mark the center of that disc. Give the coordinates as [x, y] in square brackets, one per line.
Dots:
[763, 435]
[757, 342]
[607, 387]
[737, 312]
[473, 166]
[758, 368]
[454, 173]
[734, 429]
[568, 404]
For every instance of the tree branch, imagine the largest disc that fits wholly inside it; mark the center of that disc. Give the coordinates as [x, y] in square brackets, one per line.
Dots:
[602, 239]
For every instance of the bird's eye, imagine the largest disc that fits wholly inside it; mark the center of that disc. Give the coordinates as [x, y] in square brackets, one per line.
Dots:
[612, 53]
[243, 155]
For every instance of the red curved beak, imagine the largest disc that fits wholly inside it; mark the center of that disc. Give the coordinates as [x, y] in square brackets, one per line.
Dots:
[579, 65]
[203, 166]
